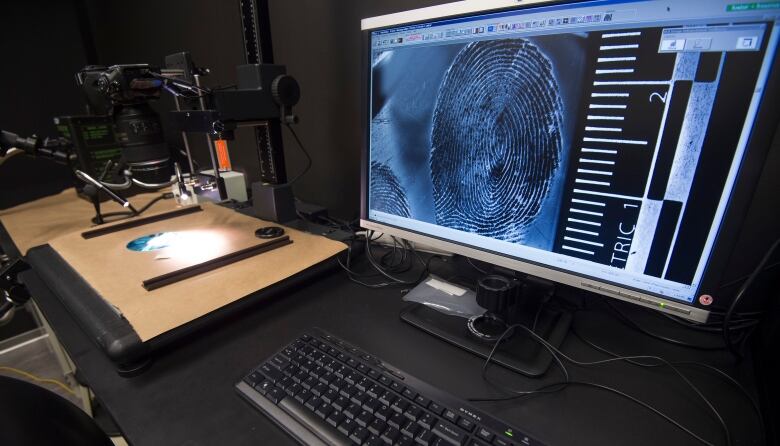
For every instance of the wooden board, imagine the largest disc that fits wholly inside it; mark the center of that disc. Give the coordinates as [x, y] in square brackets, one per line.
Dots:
[117, 273]
[36, 222]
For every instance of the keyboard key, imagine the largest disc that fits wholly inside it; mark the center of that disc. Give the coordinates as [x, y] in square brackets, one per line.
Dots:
[413, 412]
[306, 350]
[373, 374]
[347, 426]
[340, 403]
[425, 438]
[359, 434]
[427, 420]
[327, 378]
[371, 404]
[293, 389]
[405, 441]
[400, 405]
[340, 372]
[397, 420]
[300, 376]
[320, 389]
[303, 396]
[373, 440]
[338, 384]
[410, 429]
[333, 352]
[305, 338]
[313, 403]
[501, 441]
[436, 408]
[253, 378]
[385, 380]
[280, 362]
[335, 418]
[377, 426]
[329, 396]
[363, 384]
[331, 365]
[275, 395]
[390, 435]
[466, 424]
[398, 387]
[375, 390]
[477, 443]
[409, 393]
[323, 411]
[449, 432]
[450, 415]
[351, 378]
[364, 418]
[352, 410]
[272, 374]
[359, 397]
[348, 391]
[264, 387]
[387, 398]
[309, 382]
[384, 413]
[308, 365]
[285, 382]
[484, 434]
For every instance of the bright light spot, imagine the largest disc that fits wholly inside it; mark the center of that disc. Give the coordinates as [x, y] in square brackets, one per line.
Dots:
[190, 246]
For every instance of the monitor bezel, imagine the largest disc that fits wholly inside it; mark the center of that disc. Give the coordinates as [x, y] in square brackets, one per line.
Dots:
[764, 136]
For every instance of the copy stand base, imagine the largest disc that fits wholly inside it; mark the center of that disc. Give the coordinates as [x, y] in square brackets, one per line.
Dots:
[519, 352]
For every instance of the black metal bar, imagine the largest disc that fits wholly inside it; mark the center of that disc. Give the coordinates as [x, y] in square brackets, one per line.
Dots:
[209, 265]
[97, 232]
[258, 49]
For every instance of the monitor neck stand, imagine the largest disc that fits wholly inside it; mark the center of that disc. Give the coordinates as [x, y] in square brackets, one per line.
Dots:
[528, 302]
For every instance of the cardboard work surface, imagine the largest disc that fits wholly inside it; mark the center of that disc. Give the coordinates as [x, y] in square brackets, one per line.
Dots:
[36, 222]
[117, 273]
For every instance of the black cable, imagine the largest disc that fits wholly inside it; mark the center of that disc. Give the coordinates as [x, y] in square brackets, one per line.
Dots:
[708, 367]
[480, 270]
[745, 277]
[739, 324]
[305, 153]
[633, 324]
[373, 262]
[740, 294]
[555, 352]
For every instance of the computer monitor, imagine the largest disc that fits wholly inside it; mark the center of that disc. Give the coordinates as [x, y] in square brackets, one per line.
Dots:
[608, 145]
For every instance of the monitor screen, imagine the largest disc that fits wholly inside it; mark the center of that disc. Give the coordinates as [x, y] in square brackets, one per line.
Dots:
[600, 140]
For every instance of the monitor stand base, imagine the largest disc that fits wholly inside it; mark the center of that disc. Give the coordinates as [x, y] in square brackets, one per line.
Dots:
[519, 353]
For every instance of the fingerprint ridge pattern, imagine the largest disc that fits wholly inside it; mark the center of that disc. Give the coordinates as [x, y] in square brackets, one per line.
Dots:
[496, 138]
[386, 192]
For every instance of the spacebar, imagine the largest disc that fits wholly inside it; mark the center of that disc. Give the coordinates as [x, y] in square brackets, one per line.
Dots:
[317, 426]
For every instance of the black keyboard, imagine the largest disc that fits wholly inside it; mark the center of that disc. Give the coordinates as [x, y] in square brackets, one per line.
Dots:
[323, 391]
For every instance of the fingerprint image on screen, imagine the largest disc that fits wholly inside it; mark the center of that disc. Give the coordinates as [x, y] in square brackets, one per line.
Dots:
[496, 140]
[387, 194]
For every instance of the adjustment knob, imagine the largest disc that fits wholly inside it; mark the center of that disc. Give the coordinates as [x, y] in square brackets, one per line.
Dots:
[285, 90]
[495, 293]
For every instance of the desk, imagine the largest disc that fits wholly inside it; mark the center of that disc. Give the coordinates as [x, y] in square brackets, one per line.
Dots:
[187, 396]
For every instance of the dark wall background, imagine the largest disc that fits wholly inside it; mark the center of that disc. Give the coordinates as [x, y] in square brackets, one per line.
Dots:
[40, 49]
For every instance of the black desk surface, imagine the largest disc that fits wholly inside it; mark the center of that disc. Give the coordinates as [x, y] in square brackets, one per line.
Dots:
[187, 396]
